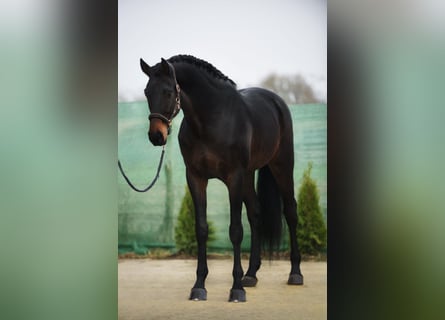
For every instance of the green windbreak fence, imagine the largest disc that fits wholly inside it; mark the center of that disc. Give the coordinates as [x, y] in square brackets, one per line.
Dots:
[148, 219]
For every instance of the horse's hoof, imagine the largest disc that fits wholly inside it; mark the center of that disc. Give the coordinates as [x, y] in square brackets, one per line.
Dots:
[237, 295]
[248, 281]
[198, 294]
[295, 279]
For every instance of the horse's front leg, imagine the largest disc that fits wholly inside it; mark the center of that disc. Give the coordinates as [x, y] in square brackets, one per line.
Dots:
[235, 186]
[198, 188]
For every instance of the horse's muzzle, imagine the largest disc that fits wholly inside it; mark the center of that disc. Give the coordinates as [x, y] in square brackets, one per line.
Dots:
[157, 138]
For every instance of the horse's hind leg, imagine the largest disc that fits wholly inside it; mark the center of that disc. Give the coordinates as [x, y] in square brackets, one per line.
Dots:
[251, 201]
[283, 174]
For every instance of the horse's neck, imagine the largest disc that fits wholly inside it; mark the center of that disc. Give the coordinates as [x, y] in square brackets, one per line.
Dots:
[200, 90]
[199, 98]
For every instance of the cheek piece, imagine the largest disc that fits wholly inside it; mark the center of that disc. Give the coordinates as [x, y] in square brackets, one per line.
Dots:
[177, 107]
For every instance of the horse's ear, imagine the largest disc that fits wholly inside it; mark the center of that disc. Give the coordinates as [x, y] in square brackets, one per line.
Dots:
[165, 66]
[145, 67]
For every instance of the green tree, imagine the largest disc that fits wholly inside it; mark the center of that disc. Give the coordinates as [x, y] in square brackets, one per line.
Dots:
[185, 237]
[311, 231]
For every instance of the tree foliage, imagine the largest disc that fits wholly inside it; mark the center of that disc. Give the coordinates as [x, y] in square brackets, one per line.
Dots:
[311, 231]
[185, 237]
[293, 89]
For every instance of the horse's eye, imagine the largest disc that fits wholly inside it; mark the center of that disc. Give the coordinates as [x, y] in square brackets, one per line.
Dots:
[167, 92]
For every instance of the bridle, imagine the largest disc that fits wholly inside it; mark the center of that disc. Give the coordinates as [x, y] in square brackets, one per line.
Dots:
[168, 121]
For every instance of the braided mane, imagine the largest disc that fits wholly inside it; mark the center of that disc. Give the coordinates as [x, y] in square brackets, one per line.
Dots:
[209, 68]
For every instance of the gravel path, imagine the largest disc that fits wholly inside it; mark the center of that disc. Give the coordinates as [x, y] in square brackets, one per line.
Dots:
[159, 289]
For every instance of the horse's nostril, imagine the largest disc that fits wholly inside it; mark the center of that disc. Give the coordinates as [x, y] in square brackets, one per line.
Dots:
[159, 138]
[156, 138]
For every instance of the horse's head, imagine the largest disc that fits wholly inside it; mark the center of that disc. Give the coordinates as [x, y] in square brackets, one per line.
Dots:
[163, 96]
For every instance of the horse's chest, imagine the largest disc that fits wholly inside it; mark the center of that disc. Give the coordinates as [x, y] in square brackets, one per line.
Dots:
[209, 162]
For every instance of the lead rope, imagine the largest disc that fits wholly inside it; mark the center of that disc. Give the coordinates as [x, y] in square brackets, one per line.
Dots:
[154, 180]
[169, 123]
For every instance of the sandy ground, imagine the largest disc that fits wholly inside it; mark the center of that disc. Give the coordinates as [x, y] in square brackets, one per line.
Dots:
[159, 289]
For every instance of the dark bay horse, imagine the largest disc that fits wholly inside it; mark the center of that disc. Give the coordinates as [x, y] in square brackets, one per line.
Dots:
[228, 134]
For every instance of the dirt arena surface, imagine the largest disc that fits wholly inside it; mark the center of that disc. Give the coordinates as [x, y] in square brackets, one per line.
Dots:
[159, 289]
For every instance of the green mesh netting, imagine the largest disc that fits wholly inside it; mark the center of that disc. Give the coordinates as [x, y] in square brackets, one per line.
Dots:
[148, 219]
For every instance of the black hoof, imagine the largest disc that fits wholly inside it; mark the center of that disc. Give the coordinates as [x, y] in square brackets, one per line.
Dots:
[198, 294]
[237, 295]
[249, 281]
[295, 279]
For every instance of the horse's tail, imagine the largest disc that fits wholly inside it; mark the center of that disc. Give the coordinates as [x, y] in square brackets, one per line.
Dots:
[270, 210]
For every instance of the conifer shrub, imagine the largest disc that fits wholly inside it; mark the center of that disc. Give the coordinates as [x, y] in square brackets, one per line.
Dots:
[185, 237]
[311, 231]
